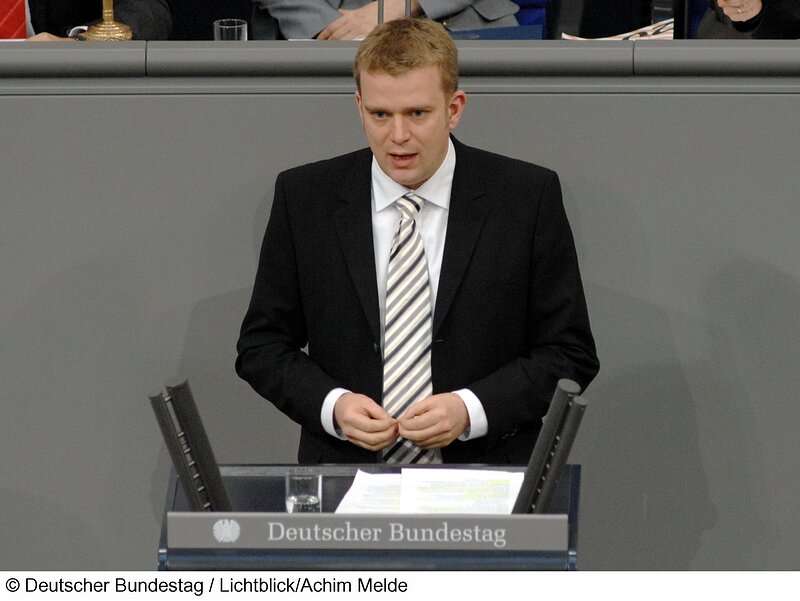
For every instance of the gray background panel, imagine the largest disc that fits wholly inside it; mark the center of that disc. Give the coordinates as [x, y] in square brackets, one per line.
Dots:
[128, 242]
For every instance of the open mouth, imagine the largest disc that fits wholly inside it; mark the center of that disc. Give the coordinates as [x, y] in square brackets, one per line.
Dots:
[402, 159]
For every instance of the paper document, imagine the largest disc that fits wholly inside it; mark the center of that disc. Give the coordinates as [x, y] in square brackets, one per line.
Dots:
[427, 491]
[663, 30]
[372, 493]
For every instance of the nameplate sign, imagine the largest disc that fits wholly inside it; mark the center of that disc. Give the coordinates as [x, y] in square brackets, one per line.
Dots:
[212, 530]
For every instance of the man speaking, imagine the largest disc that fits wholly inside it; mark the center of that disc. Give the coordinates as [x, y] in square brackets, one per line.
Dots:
[436, 286]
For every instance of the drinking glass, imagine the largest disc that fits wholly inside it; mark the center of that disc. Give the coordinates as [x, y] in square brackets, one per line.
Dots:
[230, 30]
[303, 491]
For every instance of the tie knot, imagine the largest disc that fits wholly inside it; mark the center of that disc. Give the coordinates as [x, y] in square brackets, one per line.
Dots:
[409, 205]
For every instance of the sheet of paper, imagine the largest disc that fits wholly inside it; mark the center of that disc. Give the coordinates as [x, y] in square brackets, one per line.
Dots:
[433, 491]
[372, 493]
[459, 491]
[663, 30]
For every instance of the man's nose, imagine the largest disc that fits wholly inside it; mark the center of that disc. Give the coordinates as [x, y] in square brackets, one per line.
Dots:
[400, 132]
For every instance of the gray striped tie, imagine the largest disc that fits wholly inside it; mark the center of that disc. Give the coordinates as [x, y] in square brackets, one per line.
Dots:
[407, 343]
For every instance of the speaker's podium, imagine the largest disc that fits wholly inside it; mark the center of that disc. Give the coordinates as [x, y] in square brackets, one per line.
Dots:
[259, 535]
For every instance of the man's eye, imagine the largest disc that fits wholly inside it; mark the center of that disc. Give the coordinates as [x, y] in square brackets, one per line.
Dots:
[418, 113]
[379, 115]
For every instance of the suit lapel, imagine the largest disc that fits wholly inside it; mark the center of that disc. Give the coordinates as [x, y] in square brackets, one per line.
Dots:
[353, 219]
[468, 209]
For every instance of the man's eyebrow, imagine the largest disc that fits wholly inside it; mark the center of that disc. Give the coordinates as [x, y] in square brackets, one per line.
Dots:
[378, 109]
[374, 109]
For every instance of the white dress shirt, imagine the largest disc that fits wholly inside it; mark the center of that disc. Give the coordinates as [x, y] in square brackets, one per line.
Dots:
[432, 225]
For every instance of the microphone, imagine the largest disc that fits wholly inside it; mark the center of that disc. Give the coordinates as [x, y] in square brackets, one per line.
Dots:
[189, 448]
[552, 448]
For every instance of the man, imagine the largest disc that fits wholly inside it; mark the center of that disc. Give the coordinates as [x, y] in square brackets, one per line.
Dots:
[348, 268]
[52, 20]
[354, 19]
[765, 19]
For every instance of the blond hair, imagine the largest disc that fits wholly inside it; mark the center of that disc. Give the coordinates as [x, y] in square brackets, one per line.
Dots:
[399, 46]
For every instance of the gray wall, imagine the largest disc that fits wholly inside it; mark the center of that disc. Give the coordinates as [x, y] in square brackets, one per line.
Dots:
[135, 188]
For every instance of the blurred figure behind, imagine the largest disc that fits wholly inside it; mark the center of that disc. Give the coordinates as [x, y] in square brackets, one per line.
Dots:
[51, 20]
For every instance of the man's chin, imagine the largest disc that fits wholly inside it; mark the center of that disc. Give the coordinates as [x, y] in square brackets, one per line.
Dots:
[404, 177]
[409, 182]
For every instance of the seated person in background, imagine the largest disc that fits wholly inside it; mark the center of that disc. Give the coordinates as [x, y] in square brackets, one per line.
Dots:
[603, 18]
[765, 19]
[354, 19]
[54, 20]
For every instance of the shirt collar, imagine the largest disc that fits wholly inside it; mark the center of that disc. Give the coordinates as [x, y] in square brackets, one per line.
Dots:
[385, 191]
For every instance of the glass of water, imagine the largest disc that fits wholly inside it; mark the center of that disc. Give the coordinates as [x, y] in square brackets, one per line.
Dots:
[303, 491]
[230, 30]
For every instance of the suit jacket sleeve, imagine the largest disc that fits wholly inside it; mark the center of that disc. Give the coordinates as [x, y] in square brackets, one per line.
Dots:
[306, 18]
[274, 329]
[779, 19]
[471, 14]
[300, 19]
[559, 338]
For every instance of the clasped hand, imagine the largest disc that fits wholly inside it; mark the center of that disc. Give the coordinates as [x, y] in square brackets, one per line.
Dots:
[432, 423]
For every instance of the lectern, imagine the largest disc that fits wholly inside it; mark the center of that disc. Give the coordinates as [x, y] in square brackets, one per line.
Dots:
[259, 535]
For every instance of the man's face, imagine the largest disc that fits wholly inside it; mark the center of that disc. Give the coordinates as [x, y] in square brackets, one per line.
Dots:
[407, 119]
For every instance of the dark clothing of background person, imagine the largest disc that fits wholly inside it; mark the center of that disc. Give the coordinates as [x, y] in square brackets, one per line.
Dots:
[778, 19]
[604, 18]
[149, 19]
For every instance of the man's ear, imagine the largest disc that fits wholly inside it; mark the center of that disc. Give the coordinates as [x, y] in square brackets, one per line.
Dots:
[455, 108]
[358, 104]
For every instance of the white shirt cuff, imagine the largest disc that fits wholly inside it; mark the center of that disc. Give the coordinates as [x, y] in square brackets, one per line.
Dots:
[326, 415]
[478, 424]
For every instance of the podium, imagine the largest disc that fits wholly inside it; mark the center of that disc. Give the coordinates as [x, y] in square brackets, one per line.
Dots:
[274, 540]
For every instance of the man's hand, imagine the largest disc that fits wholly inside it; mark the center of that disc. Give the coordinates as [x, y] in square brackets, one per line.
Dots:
[48, 37]
[356, 24]
[740, 10]
[364, 422]
[435, 422]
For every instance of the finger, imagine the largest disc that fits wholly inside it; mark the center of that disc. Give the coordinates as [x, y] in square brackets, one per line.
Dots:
[376, 412]
[435, 441]
[345, 32]
[373, 442]
[330, 30]
[373, 425]
[419, 435]
[419, 421]
[419, 408]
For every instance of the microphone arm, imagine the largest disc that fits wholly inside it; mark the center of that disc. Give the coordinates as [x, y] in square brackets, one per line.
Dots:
[552, 448]
[189, 448]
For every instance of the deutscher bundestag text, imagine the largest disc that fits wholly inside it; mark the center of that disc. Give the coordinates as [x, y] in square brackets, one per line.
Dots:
[121, 585]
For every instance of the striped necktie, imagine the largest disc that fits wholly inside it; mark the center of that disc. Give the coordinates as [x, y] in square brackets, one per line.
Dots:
[12, 20]
[407, 342]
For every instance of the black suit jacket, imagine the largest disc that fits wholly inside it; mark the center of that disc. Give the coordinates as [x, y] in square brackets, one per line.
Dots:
[510, 316]
[778, 19]
[149, 19]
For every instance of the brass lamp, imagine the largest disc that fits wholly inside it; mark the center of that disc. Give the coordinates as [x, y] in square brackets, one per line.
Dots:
[108, 29]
